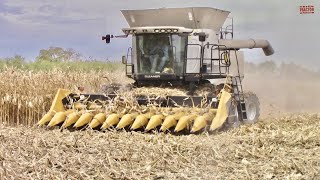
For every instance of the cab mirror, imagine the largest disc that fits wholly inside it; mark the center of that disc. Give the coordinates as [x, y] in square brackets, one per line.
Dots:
[107, 38]
[124, 60]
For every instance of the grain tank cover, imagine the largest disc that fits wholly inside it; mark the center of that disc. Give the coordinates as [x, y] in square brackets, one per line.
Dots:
[193, 18]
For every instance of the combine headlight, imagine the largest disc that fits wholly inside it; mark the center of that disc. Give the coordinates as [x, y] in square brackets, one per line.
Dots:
[162, 30]
[169, 30]
[175, 30]
[156, 30]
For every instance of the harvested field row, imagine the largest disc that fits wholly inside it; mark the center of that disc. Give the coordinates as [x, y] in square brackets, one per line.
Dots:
[283, 148]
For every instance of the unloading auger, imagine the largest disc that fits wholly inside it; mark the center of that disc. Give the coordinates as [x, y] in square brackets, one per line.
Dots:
[175, 47]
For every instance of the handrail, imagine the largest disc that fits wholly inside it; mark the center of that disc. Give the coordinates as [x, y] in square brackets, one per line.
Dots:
[220, 59]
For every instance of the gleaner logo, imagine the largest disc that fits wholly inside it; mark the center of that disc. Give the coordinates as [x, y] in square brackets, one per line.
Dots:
[307, 9]
[152, 76]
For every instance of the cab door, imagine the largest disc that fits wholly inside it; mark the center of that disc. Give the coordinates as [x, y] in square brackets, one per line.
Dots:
[193, 58]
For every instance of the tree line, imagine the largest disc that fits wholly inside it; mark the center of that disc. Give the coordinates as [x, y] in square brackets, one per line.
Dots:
[59, 54]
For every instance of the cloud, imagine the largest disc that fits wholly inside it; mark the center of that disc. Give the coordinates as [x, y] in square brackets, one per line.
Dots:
[40, 12]
[28, 26]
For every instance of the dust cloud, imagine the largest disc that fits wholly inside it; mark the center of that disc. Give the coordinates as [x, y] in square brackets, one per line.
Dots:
[285, 88]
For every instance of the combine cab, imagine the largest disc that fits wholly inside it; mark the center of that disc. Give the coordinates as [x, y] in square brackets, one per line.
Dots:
[182, 48]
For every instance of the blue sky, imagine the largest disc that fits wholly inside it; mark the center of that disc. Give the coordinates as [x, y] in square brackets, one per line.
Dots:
[28, 26]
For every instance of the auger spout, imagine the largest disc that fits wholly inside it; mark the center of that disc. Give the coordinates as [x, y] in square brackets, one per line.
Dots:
[250, 44]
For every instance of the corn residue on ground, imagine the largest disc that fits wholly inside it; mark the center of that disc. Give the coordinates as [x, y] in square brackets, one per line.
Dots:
[282, 148]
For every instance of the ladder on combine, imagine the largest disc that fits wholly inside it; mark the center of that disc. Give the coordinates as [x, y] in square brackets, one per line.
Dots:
[239, 94]
[239, 97]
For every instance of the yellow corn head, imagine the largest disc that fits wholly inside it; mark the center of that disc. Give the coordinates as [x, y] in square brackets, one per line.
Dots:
[70, 110]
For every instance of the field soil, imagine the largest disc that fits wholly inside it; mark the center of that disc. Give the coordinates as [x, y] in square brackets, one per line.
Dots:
[284, 148]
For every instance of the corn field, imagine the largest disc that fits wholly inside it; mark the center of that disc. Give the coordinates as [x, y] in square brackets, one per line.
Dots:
[281, 146]
[26, 96]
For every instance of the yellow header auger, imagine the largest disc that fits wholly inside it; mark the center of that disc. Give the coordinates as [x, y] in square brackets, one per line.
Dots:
[184, 48]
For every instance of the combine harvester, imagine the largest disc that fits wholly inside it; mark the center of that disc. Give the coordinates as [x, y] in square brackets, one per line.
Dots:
[186, 48]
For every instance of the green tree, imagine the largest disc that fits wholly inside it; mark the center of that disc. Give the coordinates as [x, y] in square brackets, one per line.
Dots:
[16, 61]
[54, 54]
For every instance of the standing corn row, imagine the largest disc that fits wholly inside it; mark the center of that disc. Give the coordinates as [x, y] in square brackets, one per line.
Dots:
[25, 96]
[17, 109]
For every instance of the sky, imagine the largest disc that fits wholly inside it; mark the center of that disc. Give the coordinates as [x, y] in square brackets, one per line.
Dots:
[28, 26]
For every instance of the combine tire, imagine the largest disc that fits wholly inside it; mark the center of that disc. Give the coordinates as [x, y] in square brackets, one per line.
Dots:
[252, 108]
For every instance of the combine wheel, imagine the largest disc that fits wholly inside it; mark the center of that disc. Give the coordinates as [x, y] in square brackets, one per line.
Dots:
[252, 108]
